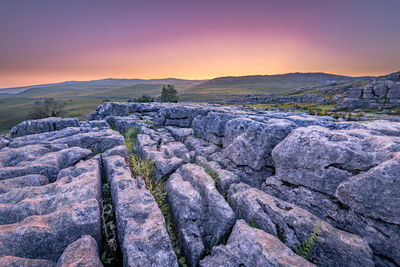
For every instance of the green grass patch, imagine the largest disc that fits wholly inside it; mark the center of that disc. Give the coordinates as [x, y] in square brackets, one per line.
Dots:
[130, 138]
[144, 169]
[304, 249]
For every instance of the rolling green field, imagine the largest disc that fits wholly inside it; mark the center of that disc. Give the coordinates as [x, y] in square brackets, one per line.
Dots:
[15, 110]
[83, 97]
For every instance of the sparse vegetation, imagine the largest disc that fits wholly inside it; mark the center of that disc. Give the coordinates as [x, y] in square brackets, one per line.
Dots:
[304, 249]
[144, 169]
[144, 99]
[169, 94]
[281, 233]
[130, 138]
[110, 255]
[254, 224]
[214, 175]
[149, 122]
[47, 108]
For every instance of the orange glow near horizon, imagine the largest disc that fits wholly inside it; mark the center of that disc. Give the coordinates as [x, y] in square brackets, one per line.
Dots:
[194, 40]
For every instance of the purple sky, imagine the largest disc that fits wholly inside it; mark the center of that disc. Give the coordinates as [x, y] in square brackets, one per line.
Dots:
[50, 41]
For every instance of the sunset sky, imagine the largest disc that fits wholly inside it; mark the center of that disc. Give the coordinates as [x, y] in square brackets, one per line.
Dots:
[53, 41]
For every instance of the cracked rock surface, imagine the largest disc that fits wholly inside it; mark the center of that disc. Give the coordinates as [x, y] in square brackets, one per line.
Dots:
[243, 188]
[341, 174]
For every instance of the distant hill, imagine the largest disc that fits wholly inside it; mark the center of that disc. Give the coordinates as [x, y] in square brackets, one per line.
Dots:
[268, 83]
[95, 87]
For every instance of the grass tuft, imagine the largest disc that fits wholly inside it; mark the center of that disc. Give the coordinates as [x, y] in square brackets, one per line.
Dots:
[214, 175]
[304, 249]
[144, 169]
[130, 137]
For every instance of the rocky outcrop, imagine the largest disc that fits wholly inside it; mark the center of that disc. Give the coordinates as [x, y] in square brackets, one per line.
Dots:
[346, 177]
[293, 225]
[140, 223]
[10, 261]
[83, 253]
[42, 126]
[249, 246]
[201, 215]
[49, 193]
[288, 174]
[318, 166]
[378, 94]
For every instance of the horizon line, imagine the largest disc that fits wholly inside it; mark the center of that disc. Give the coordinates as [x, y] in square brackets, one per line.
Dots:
[188, 79]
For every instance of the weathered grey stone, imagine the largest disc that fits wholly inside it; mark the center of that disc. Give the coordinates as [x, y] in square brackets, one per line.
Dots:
[181, 195]
[11, 157]
[43, 169]
[382, 237]
[203, 162]
[42, 138]
[22, 181]
[95, 125]
[48, 165]
[200, 146]
[98, 142]
[226, 178]
[176, 149]
[166, 157]
[141, 227]
[321, 159]
[111, 109]
[293, 225]
[42, 125]
[374, 194]
[381, 90]
[249, 246]
[123, 124]
[3, 142]
[145, 145]
[46, 236]
[199, 224]
[212, 126]
[10, 261]
[164, 166]
[81, 253]
[180, 134]
[24, 202]
[250, 143]
[117, 151]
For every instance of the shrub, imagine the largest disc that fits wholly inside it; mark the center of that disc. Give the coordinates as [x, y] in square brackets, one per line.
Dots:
[47, 108]
[144, 99]
[169, 94]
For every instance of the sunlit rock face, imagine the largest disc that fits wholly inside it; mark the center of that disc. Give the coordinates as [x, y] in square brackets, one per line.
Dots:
[242, 187]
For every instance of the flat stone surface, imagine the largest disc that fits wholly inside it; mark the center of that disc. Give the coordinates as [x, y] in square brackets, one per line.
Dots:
[199, 224]
[249, 246]
[293, 225]
[82, 252]
[141, 227]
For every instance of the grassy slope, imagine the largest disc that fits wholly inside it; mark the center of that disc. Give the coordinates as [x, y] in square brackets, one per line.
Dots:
[265, 83]
[14, 110]
[84, 97]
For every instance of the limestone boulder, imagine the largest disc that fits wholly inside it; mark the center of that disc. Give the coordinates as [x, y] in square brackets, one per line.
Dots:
[248, 246]
[42, 125]
[294, 225]
[199, 224]
[321, 159]
[82, 252]
[140, 224]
